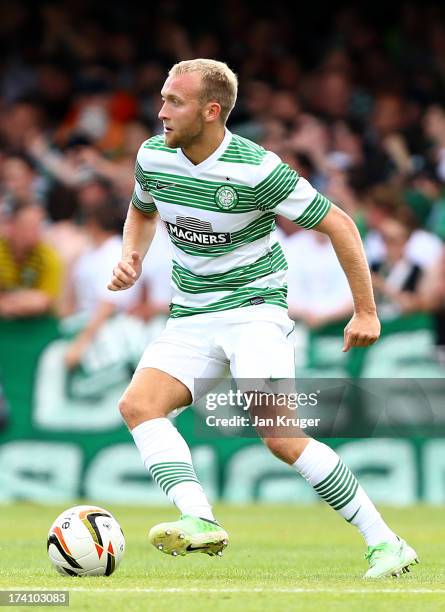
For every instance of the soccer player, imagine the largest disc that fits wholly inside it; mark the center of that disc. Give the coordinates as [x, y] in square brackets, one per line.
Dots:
[218, 195]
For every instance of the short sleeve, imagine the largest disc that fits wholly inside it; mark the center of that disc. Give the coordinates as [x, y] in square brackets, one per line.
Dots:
[141, 197]
[284, 192]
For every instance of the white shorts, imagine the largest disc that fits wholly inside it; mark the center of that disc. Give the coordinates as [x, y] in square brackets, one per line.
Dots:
[255, 342]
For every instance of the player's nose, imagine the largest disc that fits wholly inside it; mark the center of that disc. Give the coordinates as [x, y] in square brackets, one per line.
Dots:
[162, 114]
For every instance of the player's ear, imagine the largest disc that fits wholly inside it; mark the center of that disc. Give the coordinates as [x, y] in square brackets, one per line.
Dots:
[212, 111]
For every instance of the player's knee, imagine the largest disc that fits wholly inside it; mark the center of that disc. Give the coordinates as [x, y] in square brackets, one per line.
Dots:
[133, 410]
[126, 408]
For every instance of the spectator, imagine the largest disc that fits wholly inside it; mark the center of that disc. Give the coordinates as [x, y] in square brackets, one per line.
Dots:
[383, 203]
[331, 94]
[68, 166]
[396, 279]
[119, 171]
[311, 137]
[434, 123]
[30, 269]
[88, 293]
[64, 231]
[18, 120]
[318, 292]
[93, 192]
[90, 115]
[20, 181]
[433, 290]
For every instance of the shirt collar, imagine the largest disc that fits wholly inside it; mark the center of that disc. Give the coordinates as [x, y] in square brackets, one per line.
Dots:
[209, 161]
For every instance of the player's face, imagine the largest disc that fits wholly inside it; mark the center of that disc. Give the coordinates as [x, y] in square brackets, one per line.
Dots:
[182, 110]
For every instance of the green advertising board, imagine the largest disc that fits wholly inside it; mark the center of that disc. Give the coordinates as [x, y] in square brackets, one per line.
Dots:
[65, 438]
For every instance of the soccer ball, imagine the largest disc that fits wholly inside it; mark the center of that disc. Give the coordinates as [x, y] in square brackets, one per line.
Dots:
[85, 541]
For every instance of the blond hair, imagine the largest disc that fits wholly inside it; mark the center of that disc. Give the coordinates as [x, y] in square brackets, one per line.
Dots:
[219, 83]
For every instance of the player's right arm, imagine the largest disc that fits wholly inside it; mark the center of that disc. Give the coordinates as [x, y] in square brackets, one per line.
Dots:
[139, 230]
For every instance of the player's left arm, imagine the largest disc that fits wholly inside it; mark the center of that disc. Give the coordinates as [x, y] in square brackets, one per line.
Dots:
[364, 327]
[281, 190]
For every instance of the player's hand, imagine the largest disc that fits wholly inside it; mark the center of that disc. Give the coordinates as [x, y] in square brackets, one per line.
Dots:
[126, 273]
[362, 330]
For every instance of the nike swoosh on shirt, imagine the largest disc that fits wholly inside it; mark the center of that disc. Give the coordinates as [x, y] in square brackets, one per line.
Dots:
[160, 186]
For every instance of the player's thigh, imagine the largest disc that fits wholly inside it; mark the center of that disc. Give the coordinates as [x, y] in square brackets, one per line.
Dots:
[172, 372]
[186, 351]
[152, 394]
[263, 350]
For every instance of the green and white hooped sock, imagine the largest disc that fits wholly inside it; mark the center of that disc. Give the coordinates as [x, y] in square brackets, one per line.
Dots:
[167, 457]
[336, 484]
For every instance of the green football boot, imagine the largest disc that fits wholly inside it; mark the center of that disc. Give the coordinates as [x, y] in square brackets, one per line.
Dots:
[390, 559]
[188, 535]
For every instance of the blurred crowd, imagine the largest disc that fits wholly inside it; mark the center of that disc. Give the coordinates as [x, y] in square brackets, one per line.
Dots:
[355, 102]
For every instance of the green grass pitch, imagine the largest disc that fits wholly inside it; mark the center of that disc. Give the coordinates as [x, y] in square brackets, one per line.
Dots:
[280, 557]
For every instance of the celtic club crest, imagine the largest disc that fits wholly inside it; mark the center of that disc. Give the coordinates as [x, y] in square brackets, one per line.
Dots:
[226, 197]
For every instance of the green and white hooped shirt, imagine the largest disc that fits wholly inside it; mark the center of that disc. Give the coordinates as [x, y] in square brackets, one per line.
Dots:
[220, 216]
